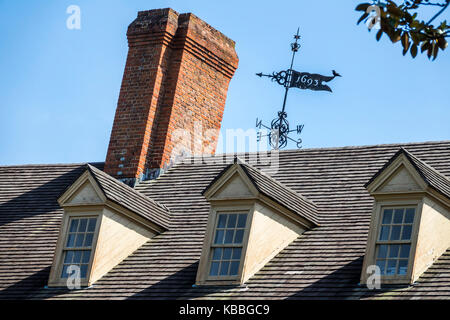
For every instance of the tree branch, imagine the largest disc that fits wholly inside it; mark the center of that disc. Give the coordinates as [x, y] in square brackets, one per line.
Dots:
[440, 11]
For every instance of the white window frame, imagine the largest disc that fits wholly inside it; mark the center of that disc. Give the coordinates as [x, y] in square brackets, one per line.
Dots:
[203, 277]
[56, 279]
[66, 249]
[374, 232]
[224, 245]
[389, 243]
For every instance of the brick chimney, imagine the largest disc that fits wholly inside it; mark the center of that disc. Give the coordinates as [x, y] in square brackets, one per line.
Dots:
[176, 77]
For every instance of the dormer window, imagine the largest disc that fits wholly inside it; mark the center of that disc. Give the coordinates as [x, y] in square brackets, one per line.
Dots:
[226, 250]
[410, 219]
[249, 223]
[104, 221]
[78, 246]
[394, 241]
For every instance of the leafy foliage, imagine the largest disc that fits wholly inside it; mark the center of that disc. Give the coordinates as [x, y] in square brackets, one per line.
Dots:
[400, 23]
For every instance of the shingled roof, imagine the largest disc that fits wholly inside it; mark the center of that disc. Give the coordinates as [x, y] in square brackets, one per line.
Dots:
[322, 263]
[131, 199]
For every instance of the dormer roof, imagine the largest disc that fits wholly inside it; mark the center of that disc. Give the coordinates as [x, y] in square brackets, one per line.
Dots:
[271, 188]
[429, 176]
[118, 192]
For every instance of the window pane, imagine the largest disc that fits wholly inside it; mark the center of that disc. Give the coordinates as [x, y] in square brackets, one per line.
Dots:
[88, 239]
[224, 268]
[68, 257]
[219, 237]
[73, 225]
[234, 268]
[214, 269]
[217, 253]
[76, 257]
[391, 267]
[402, 266]
[387, 216]
[229, 236]
[409, 215]
[393, 250]
[398, 216]
[232, 221]
[64, 273]
[91, 225]
[83, 271]
[222, 221]
[86, 256]
[70, 240]
[406, 233]
[242, 220]
[226, 254]
[80, 239]
[381, 264]
[382, 251]
[404, 251]
[395, 234]
[239, 236]
[237, 253]
[384, 234]
[82, 226]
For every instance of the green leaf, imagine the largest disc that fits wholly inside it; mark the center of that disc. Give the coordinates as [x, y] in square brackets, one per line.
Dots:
[413, 51]
[405, 42]
[435, 50]
[442, 43]
[362, 7]
[396, 36]
[379, 34]
[365, 15]
[425, 46]
[430, 49]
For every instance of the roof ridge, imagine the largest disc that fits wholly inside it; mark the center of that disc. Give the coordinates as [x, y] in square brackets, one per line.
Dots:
[49, 164]
[348, 147]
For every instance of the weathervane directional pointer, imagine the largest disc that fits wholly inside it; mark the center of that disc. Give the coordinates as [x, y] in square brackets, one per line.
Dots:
[279, 127]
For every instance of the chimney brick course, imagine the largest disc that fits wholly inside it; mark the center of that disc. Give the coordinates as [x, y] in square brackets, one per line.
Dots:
[177, 74]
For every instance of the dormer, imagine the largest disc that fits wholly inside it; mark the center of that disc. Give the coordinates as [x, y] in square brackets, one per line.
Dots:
[252, 218]
[104, 221]
[410, 223]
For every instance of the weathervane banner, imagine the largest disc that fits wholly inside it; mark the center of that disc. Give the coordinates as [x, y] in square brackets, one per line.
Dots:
[312, 81]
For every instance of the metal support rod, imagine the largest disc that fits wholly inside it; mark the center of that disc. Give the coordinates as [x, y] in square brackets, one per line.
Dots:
[294, 48]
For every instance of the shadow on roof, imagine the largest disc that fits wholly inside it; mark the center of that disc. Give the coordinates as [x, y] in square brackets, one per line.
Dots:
[179, 285]
[39, 198]
[343, 284]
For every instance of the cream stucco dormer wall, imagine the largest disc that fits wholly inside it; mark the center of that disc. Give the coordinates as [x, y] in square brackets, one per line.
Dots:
[269, 234]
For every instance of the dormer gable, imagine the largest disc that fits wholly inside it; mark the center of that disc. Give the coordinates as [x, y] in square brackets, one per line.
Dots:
[410, 224]
[240, 180]
[84, 191]
[104, 221]
[405, 173]
[235, 185]
[264, 215]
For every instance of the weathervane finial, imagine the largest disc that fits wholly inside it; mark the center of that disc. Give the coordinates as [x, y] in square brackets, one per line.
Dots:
[279, 127]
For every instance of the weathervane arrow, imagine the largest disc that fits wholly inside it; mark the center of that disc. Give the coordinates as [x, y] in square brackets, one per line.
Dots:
[279, 128]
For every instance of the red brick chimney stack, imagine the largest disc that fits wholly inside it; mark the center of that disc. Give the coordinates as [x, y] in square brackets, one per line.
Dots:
[176, 77]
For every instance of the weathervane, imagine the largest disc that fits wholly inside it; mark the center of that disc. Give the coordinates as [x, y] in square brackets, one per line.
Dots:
[279, 127]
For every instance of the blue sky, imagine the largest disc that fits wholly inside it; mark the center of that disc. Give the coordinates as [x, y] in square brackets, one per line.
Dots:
[59, 87]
